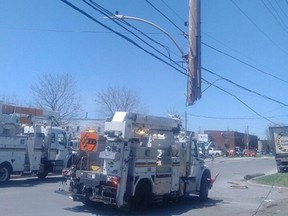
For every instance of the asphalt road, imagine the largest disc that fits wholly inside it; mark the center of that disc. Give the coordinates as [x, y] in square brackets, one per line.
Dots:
[231, 195]
[241, 197]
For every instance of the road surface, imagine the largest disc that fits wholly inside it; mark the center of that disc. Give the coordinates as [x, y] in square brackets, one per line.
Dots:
[231, 195]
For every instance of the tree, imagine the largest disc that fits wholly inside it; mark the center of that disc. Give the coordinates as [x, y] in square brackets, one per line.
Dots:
[115, 99]
[57, 93]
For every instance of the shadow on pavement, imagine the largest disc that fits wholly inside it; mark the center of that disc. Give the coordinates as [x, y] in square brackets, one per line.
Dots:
[30, 181]
[177, 208]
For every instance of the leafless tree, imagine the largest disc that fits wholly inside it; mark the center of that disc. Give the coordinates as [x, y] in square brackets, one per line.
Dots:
[58, 93]
[115, 99]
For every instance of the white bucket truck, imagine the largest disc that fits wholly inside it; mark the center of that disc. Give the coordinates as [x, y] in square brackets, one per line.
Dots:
[146, 158]
[30, 144]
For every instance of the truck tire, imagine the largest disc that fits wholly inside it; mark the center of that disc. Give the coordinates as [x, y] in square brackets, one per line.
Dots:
[5, 173]
[42, 175]
[280, 169]
[142, 198]
[204, 188]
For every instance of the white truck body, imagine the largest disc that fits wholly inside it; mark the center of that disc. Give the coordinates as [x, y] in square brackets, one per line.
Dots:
[34, 149]
[146, 159]
[279, 138]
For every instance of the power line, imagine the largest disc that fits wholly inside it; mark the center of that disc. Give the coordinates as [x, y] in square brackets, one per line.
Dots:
[245, 63]
[228, 89]
[281, 9]
[148, 52]
[244, 88]
[222, 118]
[258, 28]
[110, 15]
[116, 20]
[122, 36]
[230, 118]
[244, 55]
[173, 10]
[154, 7]
[245, 104]
[276, 15]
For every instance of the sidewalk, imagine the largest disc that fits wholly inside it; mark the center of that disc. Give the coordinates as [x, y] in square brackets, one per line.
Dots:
[275, 203]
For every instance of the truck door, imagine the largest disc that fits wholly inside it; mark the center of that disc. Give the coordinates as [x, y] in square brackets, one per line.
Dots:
[194, 159]
[61, 145]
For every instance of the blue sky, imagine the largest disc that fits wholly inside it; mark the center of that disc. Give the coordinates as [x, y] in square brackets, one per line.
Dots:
[242, 40]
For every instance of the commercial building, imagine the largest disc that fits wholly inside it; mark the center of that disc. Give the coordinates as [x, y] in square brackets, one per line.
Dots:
[226, 140]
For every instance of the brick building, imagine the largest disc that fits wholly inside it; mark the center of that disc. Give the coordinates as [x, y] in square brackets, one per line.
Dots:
[230, 139]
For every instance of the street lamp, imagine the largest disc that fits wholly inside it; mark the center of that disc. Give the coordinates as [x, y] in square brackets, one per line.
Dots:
[122, 17]
[192, 59]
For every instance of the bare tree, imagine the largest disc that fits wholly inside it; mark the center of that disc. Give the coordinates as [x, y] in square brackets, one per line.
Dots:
[117, 99]
[57, 93]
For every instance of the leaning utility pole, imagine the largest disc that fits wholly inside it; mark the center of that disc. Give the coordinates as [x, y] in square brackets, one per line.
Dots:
[194, 53]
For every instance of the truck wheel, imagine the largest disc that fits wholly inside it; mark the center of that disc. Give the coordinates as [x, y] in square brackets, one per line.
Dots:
[142, 197]
[42, 175]
[5, 173]
[204, 188]
[280, 170]
[86, 200]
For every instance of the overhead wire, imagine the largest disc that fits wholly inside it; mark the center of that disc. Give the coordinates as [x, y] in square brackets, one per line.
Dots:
[245, 63]
[170, 8]
[277, 3]
[244, 88]
[166, 17]
[215, 48]
[233, 118]
[122, 36]
[275, 15]
[110, 15]
[244, 55]
[241, 101]
[222, 118]
[259, 29]
[167, 63]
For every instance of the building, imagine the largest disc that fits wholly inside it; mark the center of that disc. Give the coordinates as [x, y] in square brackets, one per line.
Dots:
[230, 139]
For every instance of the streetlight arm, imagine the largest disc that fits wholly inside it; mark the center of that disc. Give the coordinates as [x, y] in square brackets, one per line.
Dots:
[122, 17]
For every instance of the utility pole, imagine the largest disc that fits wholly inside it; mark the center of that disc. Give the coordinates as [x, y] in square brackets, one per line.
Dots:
[247, 138]
[194, 53]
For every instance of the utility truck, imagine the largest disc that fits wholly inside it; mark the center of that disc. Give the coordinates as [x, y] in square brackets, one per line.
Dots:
[145, 159]
[30, 143]
[279, 138]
